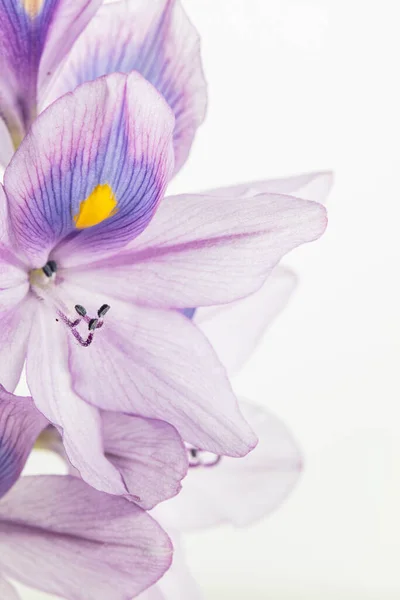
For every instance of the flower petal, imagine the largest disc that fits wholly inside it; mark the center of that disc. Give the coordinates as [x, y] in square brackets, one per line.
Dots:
[158, 365]
[177, 583]
[50, 384]
[203, 250]
[6, 147]
[235, 329]
[20, 425]
[93, 167]
[154, 38]
[241, 490]
[149, 454]
[63, 537]
[7, 592]
[308, 186]
[15, 326]
[35, 35]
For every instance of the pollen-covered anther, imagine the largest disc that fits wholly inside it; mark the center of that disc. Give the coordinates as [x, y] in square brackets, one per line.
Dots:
[103, 310]
[81, 310]
[50, 268]
[93, 324]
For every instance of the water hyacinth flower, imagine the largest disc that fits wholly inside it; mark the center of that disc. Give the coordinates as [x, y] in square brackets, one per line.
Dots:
[90, 277]
[154, 38]
[61, 536]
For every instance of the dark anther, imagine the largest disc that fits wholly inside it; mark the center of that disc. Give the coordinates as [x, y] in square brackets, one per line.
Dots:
[81, 310]
[47, 270]
[93, 324]
[193, 452]
[103, 310]
[53, 265]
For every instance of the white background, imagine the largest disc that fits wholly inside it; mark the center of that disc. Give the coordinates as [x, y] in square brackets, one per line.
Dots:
[301, 85]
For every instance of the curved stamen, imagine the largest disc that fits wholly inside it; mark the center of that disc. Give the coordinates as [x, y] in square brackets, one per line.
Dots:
[93, 324]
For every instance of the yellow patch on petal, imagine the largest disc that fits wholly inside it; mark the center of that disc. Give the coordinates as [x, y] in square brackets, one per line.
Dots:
[99, 206]
[33, 7]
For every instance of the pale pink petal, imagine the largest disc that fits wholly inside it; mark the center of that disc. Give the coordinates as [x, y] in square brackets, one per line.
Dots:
[202, 250]
[235, 329]
[308, 186]
[149, 454]
[158, 365]
[239, 490]
[50, 384]
[61, 536]
[20, 425]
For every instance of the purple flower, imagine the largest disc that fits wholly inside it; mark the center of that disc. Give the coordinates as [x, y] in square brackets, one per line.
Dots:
[154, 38]
[61, 536]
[89, 283]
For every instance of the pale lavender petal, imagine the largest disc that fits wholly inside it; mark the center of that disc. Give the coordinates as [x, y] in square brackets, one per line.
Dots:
[308, 186]
[104, 150]
[177, 583]
[20, 425]
[70, 19]
[241, 490]
[50, 384]
[235, 329]
[154, 38]
[203, 250]
[15, 326]
[35, 35]
[7, 592]
[158, 365]
[61, 536]
[6, 147]
[149, 454]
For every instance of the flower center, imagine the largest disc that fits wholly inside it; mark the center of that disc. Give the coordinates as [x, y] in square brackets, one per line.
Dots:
[202, 458]
[43, 285]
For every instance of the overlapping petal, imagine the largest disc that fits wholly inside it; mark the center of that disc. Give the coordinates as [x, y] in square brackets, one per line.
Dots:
[177, 583]
[20, 425]
[7, 592]
[154, 38]
[239, 491]
[50, 384]
[6, 145]
[235, 329]
[204, 250]
[61, 536]
[158, 365]
[92, 169]
[35, 35]
[149, 454]
[309, 186]
[15, 326]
